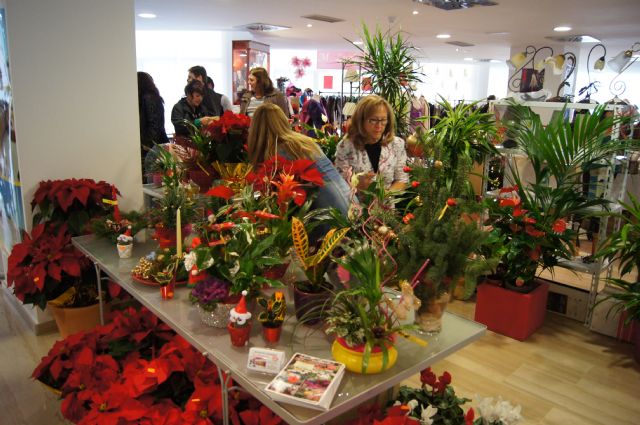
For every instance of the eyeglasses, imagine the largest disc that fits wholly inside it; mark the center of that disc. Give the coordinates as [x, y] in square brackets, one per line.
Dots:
[376, 121]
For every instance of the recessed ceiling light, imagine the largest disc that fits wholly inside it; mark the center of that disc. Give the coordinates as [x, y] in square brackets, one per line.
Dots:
[415, 12]
[147, 15]
[562, 29]
[498, 33]
[468, 59]
[443, 36]
[309, 25]
[495, 61]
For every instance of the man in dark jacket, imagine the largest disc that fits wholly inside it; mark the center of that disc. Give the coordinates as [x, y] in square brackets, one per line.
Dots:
[188, 108]
[212, 101]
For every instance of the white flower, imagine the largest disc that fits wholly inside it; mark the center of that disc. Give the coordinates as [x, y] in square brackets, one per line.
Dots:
[500, 412]
[412, 404]
[190, 260]
[427, 415]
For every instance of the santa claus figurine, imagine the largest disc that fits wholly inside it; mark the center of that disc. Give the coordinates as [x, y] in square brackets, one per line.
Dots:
[240, 323]
[125, 244]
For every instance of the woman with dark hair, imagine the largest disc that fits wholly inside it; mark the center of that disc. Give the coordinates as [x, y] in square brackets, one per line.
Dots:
[262, 91]
[151, 109]
[270, 135]
[371, 146]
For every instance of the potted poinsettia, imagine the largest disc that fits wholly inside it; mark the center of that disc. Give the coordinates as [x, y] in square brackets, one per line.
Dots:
[47, 271]
[73, 202]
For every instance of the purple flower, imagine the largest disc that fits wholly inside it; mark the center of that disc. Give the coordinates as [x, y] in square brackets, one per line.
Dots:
[210, 290]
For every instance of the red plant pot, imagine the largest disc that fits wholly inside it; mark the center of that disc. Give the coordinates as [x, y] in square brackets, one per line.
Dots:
[275, 272]
[167, 291]
[239, 336]
[271, 335]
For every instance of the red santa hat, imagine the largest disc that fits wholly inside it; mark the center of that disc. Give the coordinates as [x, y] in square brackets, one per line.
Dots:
[241, 308]
[128, 231]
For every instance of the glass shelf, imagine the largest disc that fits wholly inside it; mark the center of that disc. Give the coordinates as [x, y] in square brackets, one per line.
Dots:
[246, 55]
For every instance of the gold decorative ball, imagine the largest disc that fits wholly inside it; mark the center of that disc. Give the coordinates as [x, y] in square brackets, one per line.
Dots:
[383, 230]
[412, 140]
[438, 165]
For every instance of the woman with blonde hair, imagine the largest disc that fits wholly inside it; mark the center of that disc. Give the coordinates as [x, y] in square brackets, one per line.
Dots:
[261, 91]
[371, 146]
[270, 134]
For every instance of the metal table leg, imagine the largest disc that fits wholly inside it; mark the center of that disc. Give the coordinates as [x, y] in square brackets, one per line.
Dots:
[100, 299]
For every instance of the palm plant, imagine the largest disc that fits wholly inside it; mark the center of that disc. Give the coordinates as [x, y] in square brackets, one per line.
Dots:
[559, 154]
[624, 245]
[389, 61]
[463, 135]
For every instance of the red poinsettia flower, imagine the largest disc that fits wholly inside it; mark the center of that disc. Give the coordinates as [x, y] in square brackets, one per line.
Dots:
[42, 261]
[221, 191]
[112, 406]
[204, 403]
[262, 416]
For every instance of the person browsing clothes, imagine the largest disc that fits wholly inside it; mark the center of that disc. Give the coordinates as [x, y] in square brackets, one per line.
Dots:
[371, 147]
[270, 134]
[262, 91]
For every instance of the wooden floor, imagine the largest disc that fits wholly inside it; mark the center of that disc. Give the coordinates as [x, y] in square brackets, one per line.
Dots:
[564, 374]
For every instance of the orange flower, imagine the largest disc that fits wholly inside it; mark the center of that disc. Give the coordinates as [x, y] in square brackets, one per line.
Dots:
[407, 218]
[559, 226]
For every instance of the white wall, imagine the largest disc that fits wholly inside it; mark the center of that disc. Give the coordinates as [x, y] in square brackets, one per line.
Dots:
[75, 93]
[74, 87]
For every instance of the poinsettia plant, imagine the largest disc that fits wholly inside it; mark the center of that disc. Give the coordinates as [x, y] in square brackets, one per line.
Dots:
[137, 370]
[220, 139]
[45, 265]
[73, 202]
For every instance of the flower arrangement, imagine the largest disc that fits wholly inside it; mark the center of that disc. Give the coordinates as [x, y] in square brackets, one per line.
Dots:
[137, 369]
[531, 238]
[209, 292]
[73, 202]
[45, 265]
[220, 139]
[159, 267]
[109, 228]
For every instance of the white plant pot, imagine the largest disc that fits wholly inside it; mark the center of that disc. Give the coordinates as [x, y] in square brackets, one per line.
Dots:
[125, 251]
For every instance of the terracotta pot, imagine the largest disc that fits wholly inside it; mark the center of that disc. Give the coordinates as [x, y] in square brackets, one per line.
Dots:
[352, 357]
[310, 307]
[71, 320]
[239, 336]
[271, 335]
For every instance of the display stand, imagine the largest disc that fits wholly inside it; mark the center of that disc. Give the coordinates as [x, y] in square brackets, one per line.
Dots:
[354, 389]
[246, 55]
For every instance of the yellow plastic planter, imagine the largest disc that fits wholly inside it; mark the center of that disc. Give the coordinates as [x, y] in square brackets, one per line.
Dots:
[352, 358]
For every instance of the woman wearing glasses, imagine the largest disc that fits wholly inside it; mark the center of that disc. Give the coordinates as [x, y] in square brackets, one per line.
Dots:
[371, 147]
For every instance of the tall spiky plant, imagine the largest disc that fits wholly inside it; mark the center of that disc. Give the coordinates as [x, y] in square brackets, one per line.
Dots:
[389, 60]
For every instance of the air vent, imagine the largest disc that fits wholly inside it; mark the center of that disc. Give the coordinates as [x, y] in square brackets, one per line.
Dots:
[323, 18]
[573, 39]
[257, 26]
[460, 43]
[456, 4]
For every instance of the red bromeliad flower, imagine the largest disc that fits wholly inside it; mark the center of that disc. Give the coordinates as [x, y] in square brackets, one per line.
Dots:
[221, 191]
[407, 218]
[289, 190]
[532, 231]
[303, 170]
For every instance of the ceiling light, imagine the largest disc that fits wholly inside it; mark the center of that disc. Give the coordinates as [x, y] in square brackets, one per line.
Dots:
[495, 61]
[443, 36]
[415, 12]
[562, 29]
[498, 33]
[589, 39]
[309, 25]
[147, 15]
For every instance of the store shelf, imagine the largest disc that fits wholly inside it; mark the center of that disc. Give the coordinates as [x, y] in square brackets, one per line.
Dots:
[579, 266]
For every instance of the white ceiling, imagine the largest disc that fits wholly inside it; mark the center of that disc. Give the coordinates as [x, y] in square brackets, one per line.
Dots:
[526, 22]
